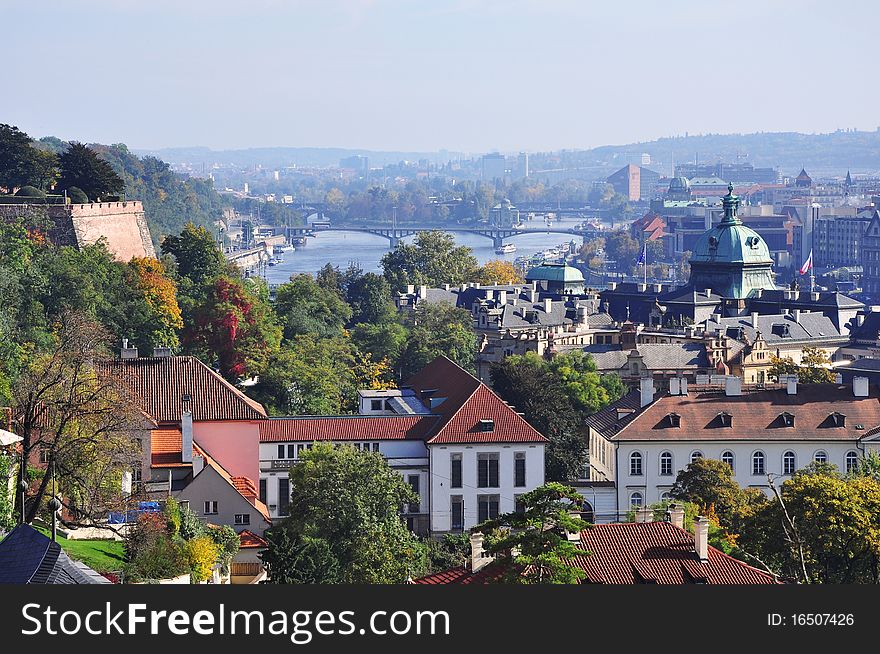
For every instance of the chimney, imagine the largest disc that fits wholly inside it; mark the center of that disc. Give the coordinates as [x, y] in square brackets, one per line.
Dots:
[198, 464]
[755, 319]
[684, 386]
[674, 386]
[658, 288]
[646, 386]
[860, 318]
[860, 386]
[423, 292]
[644, 514]
[410, 289]
[838, 378]
[797, 315]
[814, 296]
[502, 297]
[642, 287]
[479, 558]
[791, 385]
[548, 305]
[759, 292]
[676, 515]
[186, 430]
[161, 352]
[732, 386]
[701, 538]
[708, 292]
[463, 287]
[612, 286]
[128, 352]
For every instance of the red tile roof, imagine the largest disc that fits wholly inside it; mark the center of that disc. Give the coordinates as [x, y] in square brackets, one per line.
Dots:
[635, 553]
[346, 428]
[249, 539]
[467, 402]
[755, 416]
[165, 449]
[159, 385]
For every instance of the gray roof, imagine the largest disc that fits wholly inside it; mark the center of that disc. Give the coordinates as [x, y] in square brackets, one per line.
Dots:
[656, 356]
[778, 328]
[29, 557]
[612, 418]
[515, 316]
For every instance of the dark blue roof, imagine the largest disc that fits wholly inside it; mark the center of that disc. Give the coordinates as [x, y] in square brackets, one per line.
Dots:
[29, 557]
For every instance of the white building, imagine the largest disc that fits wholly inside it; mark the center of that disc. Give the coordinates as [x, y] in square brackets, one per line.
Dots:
[463, 450]
[643, 440]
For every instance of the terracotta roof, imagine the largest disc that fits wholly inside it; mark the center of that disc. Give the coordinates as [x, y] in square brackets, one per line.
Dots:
[165, 449]
[241, 484]
[161, 383]
[346, 428]
[249, 539]
[756, 416]
[635, 553]
[468, 402]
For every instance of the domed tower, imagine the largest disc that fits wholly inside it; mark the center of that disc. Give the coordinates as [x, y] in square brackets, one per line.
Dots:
[679, 189]
[731, 259]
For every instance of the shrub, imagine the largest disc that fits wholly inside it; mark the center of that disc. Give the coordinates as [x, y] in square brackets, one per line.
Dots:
[172, 516]
[77, 195]
[29, 192]
[150, 552]
[201, 555]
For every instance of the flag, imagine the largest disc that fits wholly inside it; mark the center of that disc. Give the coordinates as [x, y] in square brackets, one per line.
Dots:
[808, 264]
[641, 261]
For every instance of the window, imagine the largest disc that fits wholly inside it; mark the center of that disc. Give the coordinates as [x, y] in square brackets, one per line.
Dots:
[696, 454]
[519, 469]
[375, 447]
[413, 481]
[636, 499]
[587, 512]
[518, 505]
[300, 448]
[280, 451]
[758, 463]
[291, 451]
[727, 457]
[457, 513]
[455, 472]
[820, 457]
[211, 507]
[852, 461]
[263, 491]
[788, 463]
[665, 496]
[283, 496]
[242, 518]
[486, 425]
[635, 464]
[376, 405]
[487, 470]
[666, 463]
[487, 507]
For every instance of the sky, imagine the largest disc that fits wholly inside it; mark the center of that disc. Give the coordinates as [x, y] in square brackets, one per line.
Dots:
[423, 75]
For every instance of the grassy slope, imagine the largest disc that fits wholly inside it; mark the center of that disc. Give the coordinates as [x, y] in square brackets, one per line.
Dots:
[100, 555]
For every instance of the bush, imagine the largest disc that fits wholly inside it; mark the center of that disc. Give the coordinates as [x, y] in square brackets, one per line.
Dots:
[29, 192]
[172, 516]
[201, 554]
[150, 551]
[77, 195]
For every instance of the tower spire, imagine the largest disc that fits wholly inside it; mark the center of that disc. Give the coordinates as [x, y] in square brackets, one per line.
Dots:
[730, 202]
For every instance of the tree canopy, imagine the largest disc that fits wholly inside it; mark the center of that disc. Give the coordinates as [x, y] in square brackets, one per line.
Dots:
[433, 259]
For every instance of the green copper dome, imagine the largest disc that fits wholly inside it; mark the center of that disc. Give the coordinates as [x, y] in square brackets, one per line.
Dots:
[554, 273]
[731, 259]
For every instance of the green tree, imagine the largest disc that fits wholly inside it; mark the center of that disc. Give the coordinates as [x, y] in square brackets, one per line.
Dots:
[21, 163]
[83, 168]
[815, 367]
[369, 297]
[196, 255]
[385, 340]
[624, 249]
[586, 388]
[533, 545]
[294, 559]
[709, 483]
[351, 499]
[303, 307]
[435, 329]
[433, 259]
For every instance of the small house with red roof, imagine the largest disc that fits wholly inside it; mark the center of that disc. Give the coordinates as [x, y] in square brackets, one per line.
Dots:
[466, 452]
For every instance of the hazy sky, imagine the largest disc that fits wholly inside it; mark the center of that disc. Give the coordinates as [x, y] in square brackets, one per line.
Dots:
[469, 75]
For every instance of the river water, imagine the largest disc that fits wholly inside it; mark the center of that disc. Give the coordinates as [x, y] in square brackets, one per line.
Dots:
[366, 250]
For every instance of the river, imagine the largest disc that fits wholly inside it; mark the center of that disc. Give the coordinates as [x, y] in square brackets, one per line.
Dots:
[366, 250]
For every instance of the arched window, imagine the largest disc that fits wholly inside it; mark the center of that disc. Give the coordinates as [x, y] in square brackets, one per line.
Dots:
[666, 463]
[788, 463]
[758, 460]
[727, 457]
[665, 497]
[587, 512]
[820, 457]
[696, 454]
[636, 500]
[635, 464]
[852, 461]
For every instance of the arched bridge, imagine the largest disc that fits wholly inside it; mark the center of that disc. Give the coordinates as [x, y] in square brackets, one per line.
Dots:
[497, 234]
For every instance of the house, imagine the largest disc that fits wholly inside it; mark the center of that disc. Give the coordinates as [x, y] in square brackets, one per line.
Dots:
[642, 441]
[462, 449]
[645, 552]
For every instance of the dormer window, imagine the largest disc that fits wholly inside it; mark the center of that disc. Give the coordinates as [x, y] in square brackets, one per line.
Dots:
[724, 419]
[674, 420]
[786, 419]
[837, 419]
[486, 425]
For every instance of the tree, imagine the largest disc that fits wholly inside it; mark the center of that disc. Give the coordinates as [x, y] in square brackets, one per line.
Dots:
[196, 255]
[533, 545]
[234, 328]
[624, 249]
[815, 367]
[498, 272]
[709, 483]
[21, 163]
[83, 168]
[369, 297]
[586, 388]
[160, 294]
[383, 341]
[433, 259]
[435, 329]
[79, 419]
[304, 308]
[330, 279]
[294, 559]
[350, 499]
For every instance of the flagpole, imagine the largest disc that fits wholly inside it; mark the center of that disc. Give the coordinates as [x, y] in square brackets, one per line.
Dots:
[645, 258]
